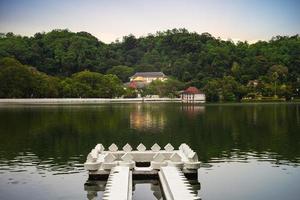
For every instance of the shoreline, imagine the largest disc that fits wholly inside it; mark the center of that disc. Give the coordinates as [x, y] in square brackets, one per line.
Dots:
[93, 101]
[86, 100]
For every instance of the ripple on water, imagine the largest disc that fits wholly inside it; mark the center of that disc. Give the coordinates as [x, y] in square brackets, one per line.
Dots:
[29, 162]
[237, 155]
[18, 170]
[13, 182]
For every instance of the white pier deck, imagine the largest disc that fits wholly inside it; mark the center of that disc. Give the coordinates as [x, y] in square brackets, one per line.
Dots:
[169, 166]
[119, 184]
[174, 184]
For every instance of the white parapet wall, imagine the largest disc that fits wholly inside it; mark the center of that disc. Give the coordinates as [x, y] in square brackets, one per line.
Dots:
[101, 161]
[84, 100]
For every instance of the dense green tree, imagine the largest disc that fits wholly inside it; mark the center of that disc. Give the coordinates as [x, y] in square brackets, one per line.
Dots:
[111, 86]
[225, 89]
[285, 91]
[168, 88]
[93, 84]
[212, 90]
[278, 72]
[76, 89]
[122, 72]
[231, 90]
[15, 80]
[130, 93]
[92, 79]
[236, 70]
[20, 81]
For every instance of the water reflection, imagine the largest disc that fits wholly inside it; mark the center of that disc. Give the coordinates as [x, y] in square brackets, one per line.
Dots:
[147, 118]
[42, 148]
[63, 132]
[142, 189]
[94, 189]
[192, 110]
[253, 179]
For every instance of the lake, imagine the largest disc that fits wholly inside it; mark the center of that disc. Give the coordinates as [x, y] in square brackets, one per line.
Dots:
[248, 151]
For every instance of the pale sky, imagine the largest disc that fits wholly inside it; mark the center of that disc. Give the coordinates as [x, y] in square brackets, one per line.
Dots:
[109, 20]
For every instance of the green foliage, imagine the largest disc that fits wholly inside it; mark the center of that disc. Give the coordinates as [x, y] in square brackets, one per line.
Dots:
[278, 72]
[21, 81]
[111, 86]
[236, 70]
[225, 89]
[168, 88]
[92, 84]
[212, 90]
[196, 59]
[130, 93]
[122, 72]
[17, 81]
[58, 52]
[92, 79]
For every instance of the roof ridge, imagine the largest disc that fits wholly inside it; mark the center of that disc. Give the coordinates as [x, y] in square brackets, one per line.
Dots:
[158, 73]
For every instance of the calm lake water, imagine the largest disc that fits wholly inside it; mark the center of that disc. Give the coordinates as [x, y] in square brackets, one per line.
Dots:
[248, 151]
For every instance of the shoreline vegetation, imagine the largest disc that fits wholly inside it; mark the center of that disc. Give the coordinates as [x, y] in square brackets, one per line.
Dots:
[65, 64]
[72, 101]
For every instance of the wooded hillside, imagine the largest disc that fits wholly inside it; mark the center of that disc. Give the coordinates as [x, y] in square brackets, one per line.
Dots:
[222, 68]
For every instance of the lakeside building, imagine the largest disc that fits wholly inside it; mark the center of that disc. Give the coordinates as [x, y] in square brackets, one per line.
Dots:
[148, 77]
[141, 79]
[192, 94]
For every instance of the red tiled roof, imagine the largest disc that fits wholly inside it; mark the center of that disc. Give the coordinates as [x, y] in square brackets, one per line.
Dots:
[192, 90]
[132, 85]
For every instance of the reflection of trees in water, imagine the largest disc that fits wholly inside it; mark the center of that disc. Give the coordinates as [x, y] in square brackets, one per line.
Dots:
[63, 132]
[254, 128]
[58, 132]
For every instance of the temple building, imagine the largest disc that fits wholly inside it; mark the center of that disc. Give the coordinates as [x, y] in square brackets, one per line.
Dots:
[148, 77]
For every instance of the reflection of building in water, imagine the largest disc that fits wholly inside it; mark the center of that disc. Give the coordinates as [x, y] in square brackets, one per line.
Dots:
[192, 109]
[147, 118]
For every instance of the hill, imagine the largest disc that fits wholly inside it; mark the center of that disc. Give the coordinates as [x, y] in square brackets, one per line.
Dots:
[196, 59]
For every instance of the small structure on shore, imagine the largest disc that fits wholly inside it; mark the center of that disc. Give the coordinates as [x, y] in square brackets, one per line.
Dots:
[192, 94]
[121, 167]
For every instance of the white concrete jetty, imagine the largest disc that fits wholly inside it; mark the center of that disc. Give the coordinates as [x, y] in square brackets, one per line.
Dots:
[119, 184]
[175, 184]
[119, 166]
